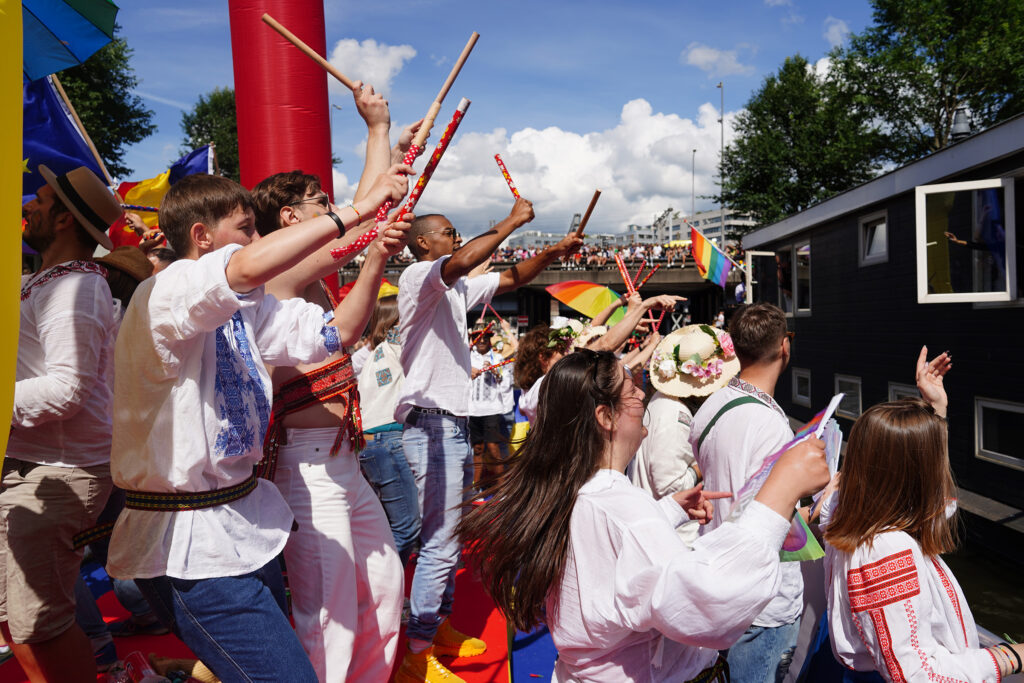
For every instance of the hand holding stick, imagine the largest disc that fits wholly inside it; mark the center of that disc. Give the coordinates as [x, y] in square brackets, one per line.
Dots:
[590, 210]
[508, 178]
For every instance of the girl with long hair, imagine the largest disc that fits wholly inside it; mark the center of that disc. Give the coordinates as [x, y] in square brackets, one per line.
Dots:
[567, 540]
[894, 606]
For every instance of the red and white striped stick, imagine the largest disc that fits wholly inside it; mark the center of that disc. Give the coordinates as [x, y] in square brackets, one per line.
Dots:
[624, 273]
[488, 305]
[648, 277]
[508, 178]
[508, 360]
[382, 213]
[481, 333]
[643, 264]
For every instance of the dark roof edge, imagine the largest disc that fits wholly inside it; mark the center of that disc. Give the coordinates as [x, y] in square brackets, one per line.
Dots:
[958, 157]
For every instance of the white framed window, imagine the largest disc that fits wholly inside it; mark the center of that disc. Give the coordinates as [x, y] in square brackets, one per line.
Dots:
[898, 391]
[850, 405]
[873, 239]
[999, 432]
[802, 387]
[966, 242]
[802, 277]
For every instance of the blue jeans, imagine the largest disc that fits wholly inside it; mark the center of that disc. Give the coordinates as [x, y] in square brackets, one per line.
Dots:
[237, 625]
[384, 465]
[763, 654]
[438, 451]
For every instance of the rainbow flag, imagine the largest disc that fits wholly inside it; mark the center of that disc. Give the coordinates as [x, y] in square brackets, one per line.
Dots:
[711, 262]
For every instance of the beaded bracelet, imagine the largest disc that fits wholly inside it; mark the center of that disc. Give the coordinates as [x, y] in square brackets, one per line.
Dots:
[359, 216]
[1004, 647]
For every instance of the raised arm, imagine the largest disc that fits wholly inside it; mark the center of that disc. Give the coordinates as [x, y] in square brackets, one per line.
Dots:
[602, 317]
[637, 307]
[373, 108]
[525, 271]
[929, 379]
[272, 255]
[480, 248]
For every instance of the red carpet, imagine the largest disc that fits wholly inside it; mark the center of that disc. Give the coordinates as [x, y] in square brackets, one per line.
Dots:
[475, 614]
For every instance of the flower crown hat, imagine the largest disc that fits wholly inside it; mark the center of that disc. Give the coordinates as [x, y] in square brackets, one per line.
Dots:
[695, 360]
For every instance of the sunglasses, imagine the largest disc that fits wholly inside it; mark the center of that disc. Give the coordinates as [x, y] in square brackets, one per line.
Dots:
[321, 199]
[449, 232]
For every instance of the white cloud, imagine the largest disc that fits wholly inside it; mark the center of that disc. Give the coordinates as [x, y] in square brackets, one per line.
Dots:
[836, 31]
[821, 68]
[642, 167]
[370, 62]
[714, 61]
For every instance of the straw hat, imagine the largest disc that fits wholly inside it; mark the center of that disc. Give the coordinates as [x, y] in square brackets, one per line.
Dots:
[589, 334]
[695, 360]
[129, 260]
[88, 199]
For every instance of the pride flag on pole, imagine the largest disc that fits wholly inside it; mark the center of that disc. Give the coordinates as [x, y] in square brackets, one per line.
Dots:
[711, 262]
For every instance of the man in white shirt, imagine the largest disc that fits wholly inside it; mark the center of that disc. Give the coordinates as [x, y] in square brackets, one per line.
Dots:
[56, 475]
[731, 435]
[200, 533]
[490, 391]
[434, 295]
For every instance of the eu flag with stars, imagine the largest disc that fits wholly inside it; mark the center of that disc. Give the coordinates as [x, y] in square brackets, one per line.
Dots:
[49, 137]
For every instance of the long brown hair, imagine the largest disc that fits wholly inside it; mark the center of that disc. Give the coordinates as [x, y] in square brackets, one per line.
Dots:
[532, 352]
[383, 318]
[521, 535]
[896, 476]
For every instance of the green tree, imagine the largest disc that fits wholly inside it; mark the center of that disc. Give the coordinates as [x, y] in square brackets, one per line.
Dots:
[797, 143]
[101, 91]
[922, 59]
[214, 119]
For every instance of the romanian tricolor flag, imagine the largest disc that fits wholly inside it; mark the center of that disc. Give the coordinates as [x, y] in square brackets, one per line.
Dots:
[711, 262]
[151, 192]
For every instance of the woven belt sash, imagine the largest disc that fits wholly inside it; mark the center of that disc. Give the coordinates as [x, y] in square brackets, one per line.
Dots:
[188, 500]
[335, 381]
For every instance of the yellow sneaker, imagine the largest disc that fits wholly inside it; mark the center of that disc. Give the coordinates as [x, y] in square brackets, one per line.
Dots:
[423, 667]
[448, 641]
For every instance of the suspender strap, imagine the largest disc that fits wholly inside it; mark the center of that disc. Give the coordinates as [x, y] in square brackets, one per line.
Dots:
[190, 500]
[727, 407]
[335, 381]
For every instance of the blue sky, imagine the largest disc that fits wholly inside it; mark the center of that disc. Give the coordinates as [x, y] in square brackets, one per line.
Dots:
[574, 95]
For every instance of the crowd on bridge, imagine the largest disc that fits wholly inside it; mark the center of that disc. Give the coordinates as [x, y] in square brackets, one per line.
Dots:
[201, 417]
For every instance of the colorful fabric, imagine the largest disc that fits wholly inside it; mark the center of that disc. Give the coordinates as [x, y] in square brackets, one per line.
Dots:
[334, 381]
[50, 137]
[712, 264]
[188, 500]
[150, 192]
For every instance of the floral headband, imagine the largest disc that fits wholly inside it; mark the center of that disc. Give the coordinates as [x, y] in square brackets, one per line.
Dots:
[560, 337]
[669, 365]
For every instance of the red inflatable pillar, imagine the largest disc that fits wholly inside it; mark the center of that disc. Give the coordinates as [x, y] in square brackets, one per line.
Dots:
[280, 93]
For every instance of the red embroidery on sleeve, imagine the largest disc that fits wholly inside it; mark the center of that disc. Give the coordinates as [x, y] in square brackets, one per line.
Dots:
[951, 592]
[915, 643]
[885, 642]
[999, 673]
[875, 585]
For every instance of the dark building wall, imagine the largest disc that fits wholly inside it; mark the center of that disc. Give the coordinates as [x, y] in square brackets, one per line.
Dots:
[866, 322]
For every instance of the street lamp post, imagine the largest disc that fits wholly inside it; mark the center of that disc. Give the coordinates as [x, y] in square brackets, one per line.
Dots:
[693, 183]
[721, 170]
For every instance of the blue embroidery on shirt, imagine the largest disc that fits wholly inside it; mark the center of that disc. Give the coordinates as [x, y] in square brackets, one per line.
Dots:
[383, 377]
[379, 353]
[241, 396]
[332, 342]
[328, 317]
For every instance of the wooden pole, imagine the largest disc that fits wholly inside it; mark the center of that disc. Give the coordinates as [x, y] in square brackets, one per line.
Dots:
[590, 210]
[81, 129]
[435, 108]
[310, 52]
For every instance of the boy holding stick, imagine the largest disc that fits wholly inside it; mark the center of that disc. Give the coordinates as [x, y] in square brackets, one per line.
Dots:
[199, 532]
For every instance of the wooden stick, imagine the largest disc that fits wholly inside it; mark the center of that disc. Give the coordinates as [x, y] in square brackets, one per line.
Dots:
[590, 210]
[643, 264]
[310, 52]
[648, 277]
[488, 305]
[81, 129]
[435, 108]
[481, 334]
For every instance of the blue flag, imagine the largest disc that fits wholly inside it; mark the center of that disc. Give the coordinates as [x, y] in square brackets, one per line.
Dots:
[49, 137]
[196, 161]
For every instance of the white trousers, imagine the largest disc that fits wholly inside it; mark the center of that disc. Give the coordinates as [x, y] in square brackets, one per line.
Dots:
[344, 573]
